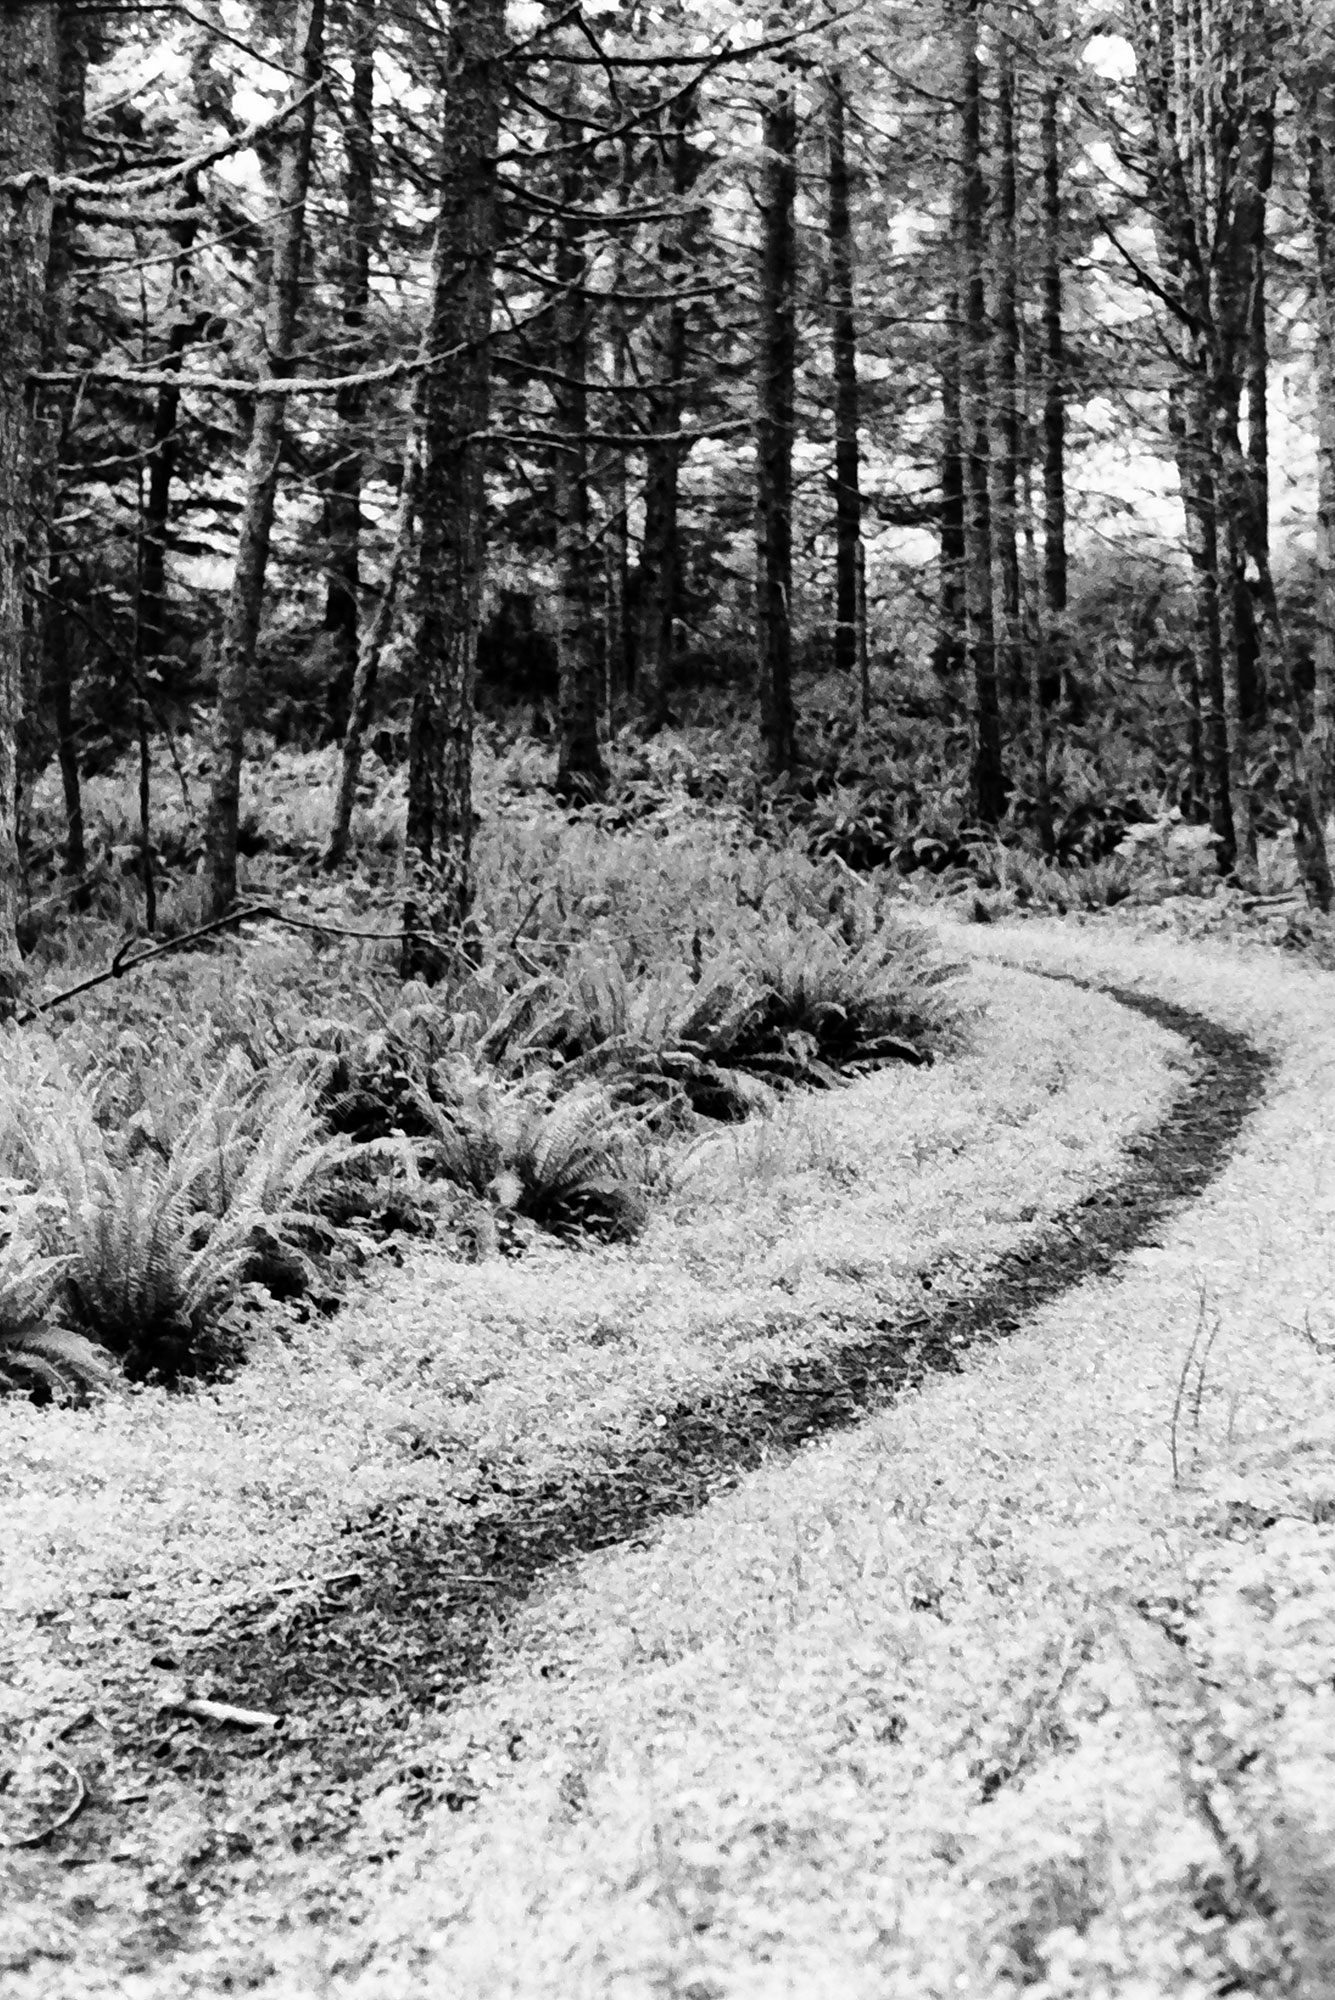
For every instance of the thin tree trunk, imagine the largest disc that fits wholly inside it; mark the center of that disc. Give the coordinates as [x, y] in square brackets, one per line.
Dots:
[660, 554]
[152, 591]
[949, 656]
[373, 640]
[1056, 642]
[76, 856]
[343, 493]
[616, 544]
[1004, 416]
[615, 483]
[987, 781]
[29, 114]
[777, 340]
[843, 332]
[241, 622]
[1188, 424]
[581, 773]
[452, 543]
[47, 414]
[1257, 389]
[1318, 798]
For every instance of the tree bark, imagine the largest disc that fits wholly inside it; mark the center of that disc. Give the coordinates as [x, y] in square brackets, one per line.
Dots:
[1319, 791]
[987, 778]
[343, 492]
[29, 115]
[241, 621]
[452, 543]
[949, 656]
[777, 343]
[1056, 642]
[843, 334]
[1003, 397]
[660, 554]
[581, 773]
[1188, 426]
[373, 640]
[152, 592]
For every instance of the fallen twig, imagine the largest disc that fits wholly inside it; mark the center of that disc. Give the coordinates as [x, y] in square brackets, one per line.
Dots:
[222, 1712]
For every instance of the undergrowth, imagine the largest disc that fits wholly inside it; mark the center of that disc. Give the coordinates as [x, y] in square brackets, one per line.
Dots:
[253, 1108]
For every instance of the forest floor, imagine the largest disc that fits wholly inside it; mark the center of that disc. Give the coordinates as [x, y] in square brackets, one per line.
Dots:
[1001, 1687]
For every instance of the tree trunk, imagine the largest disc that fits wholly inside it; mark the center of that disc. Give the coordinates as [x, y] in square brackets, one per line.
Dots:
[1319, 791]
[581, 773]
[29, 117]
[777, 343]
[61, 686]
[843, 333]
[1004, 413]
[1188, 425]
[1056, 643]
[452, 542]
[616, 537]
[949, 657]
[152, 591]
[987, 779]
[374, 639]
[343, 492]
[660, 555]
[241, 621]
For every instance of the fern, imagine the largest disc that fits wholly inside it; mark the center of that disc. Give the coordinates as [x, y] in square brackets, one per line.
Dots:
[574, 1167]
[158, 1245]
[38, 1357]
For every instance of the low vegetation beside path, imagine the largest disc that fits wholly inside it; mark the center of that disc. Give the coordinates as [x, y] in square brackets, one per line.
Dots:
[250, 1114]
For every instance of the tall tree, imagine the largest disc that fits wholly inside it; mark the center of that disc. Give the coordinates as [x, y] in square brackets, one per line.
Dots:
[452, 543]
[987, 778]
[1315, 81]
[29, 117]
[849, 637]
[241, 622]
[1003, 380]
[949, 656]
[1054, 386]
[343, 491]
[775, 423]
[660, 556]
[581, 773]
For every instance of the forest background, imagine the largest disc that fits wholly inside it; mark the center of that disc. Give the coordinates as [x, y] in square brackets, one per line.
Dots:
[943, 389]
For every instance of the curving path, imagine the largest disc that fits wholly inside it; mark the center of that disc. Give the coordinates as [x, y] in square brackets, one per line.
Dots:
[455, 1594]
[1208, 1186]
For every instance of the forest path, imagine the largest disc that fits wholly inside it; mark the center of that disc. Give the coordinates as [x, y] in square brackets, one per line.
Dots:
[661, 1693]
[885, 1717]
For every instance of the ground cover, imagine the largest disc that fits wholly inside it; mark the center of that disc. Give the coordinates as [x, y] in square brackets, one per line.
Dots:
[139, 1529]
[1022, 1686]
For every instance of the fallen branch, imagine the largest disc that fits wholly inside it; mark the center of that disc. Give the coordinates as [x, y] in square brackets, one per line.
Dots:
[122, 962]
[44, 1833]
[221, 1712]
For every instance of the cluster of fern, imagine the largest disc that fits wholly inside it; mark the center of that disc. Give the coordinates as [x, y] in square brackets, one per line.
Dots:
[533, 1096]
[670, 970]
[130, 1217]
